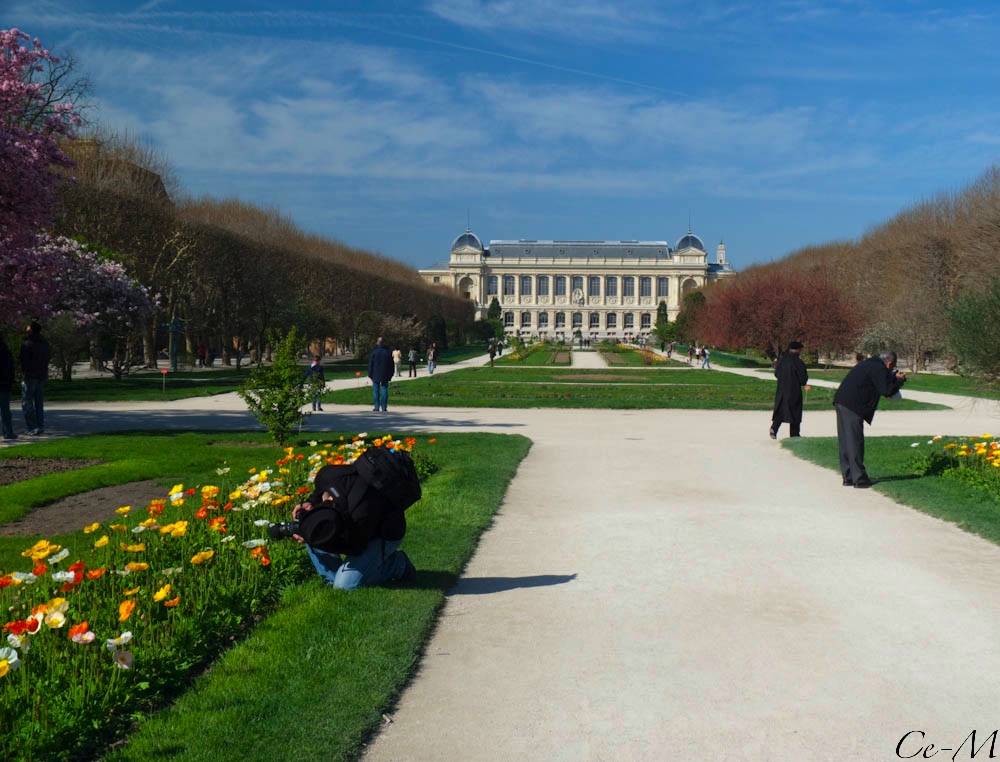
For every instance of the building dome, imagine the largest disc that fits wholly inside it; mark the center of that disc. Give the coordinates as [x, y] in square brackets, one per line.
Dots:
[467, 243]
[690, 241]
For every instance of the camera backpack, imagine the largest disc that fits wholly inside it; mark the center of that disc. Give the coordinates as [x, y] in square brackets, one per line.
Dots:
[389, 472]
[379, 483]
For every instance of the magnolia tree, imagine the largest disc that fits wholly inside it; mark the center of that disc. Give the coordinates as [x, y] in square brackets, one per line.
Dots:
[107, 307]
[30, 159]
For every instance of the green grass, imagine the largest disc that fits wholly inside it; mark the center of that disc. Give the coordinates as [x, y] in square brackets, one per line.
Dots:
[887, 460]
[928, 382]
[263, 692]
[625, 388]
[319, 673]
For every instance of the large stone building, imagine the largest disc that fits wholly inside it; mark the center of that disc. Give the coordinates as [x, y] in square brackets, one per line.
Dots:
[565, 289]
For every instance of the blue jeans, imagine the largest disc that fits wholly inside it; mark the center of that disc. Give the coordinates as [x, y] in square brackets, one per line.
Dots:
[381, 561]
[380, 392]
[5, 420]
[31, 403]
[431, 365]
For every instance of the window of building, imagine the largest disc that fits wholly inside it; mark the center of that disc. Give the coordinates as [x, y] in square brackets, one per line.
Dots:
[437, 278]
[629, 320]
[662, 287]
[560, 320]
[525, 285]
[508, 285]
[612, 320]
[645, 322]
[628, 286]
[543, 319]
[543, 285]
[492, 285]
[594, 285]
[611, 286]
[595, 319]
[645, 286]
[508, 320]
[560, 285]
[526, 320]
[578, 320]
[578, 282]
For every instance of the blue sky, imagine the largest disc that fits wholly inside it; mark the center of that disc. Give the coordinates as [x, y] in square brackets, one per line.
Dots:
[389, 125]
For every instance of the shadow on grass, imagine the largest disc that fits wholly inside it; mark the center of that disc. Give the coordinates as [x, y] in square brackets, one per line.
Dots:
[899, 478]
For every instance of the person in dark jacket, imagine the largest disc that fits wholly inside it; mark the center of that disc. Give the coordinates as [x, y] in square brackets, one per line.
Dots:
[6, 387]
[315, 379]
[792, 376]
[380, 371]
[35, 356]
[855, 401]
[349, 551]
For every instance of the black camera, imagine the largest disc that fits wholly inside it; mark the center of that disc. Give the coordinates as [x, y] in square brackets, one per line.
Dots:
[283, 530]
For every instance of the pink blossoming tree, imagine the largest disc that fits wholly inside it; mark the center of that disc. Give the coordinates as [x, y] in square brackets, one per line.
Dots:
[30, 160]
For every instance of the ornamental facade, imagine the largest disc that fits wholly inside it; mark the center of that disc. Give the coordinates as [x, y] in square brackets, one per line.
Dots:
[565, 289]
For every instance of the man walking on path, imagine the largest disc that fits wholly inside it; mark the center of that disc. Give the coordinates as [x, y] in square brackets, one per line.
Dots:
[856, 400]
[792, 376]
[35, 356]
[380, 370]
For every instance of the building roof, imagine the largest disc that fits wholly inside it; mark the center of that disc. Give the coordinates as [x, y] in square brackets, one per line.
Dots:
[580, 249]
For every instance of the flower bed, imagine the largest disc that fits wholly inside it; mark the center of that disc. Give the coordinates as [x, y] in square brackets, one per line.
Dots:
[117, 622]
[971, 460]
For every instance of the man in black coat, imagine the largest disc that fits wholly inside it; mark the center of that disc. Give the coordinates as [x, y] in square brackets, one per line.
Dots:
[6, 387]
[855, 401]
[380, 371]
[792, 376]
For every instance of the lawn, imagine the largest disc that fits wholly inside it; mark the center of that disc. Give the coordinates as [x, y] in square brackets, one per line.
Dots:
[889, 461]
[614, 388]
[267, 631]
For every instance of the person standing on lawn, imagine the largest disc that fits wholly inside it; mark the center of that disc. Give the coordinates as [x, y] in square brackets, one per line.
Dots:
[792, 376]
[856, 400]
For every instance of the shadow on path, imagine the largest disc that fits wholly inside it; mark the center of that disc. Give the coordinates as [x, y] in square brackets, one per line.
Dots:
[486, 585]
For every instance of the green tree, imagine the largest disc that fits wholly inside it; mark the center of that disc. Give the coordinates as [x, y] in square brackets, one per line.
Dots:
[974, 330]
[664, 330]
[493, 312]
[275, 393]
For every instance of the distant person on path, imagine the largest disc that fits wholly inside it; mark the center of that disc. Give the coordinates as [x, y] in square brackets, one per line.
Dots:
[792, 376]
[855, 401]
[493, 352]
[315, 378]
[6, 387]
[380, 369]
[432, 356]
[202, 354]
[397, 360]
[690, 354]
[35, 356]
[411, 359]
[704, 359]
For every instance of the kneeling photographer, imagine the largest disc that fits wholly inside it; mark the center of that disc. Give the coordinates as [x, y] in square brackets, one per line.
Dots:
[354, 522]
